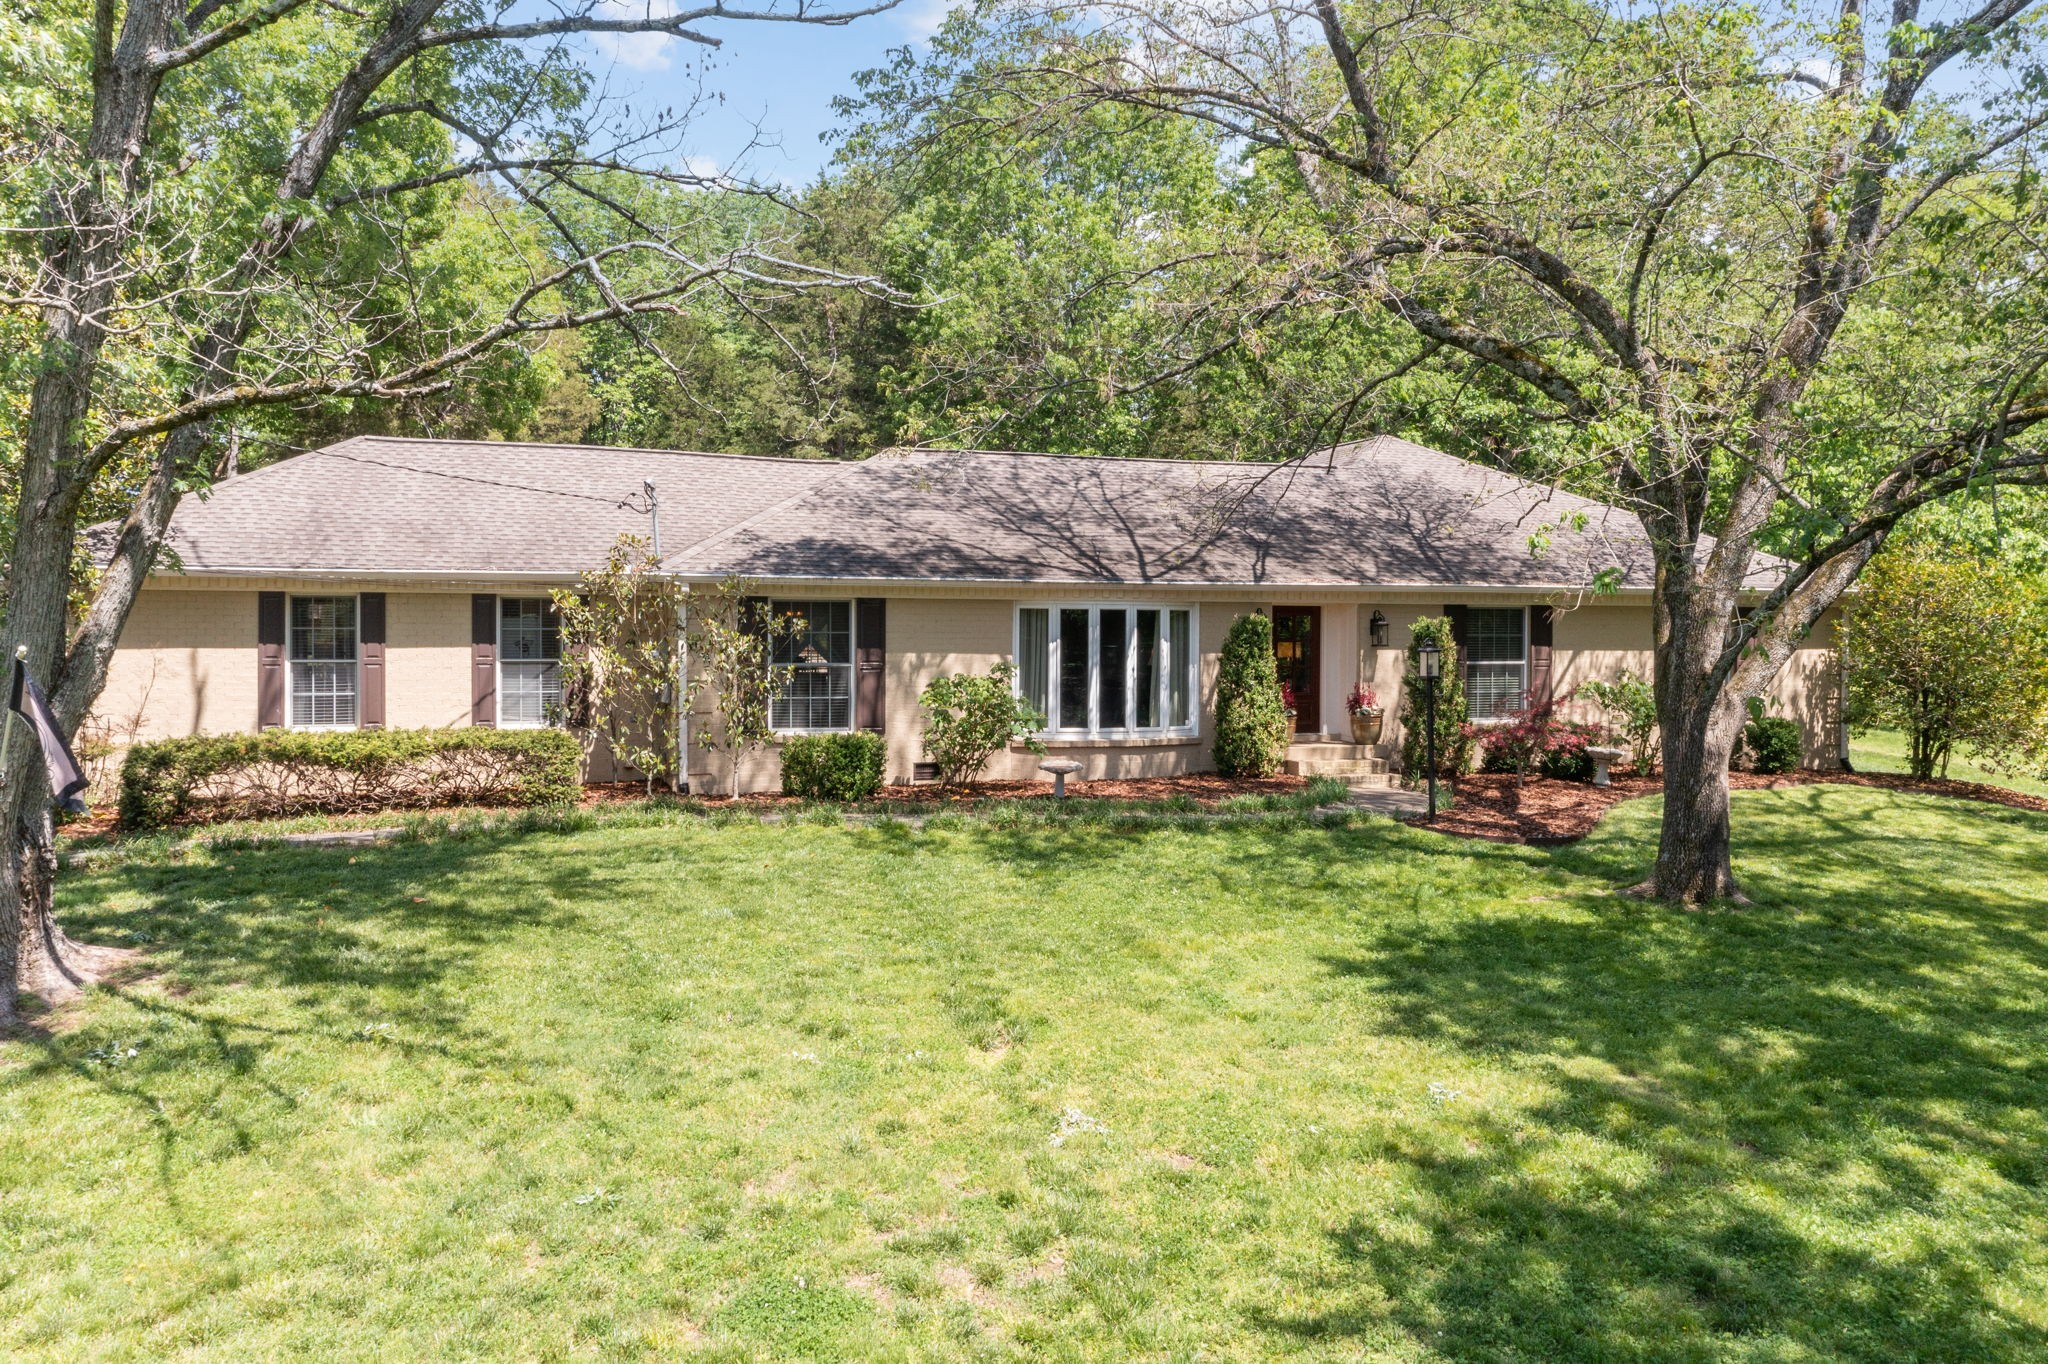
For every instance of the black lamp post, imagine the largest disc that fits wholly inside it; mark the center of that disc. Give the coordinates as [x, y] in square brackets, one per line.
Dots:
[1429, 662]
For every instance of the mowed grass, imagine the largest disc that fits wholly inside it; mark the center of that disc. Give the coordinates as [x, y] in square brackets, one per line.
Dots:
[1886, 750]
[649, 1088]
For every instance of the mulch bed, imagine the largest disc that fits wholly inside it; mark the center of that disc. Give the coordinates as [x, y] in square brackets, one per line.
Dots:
[1549, 812]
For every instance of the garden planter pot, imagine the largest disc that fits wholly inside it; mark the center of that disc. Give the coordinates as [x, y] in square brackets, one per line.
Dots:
[1367, 725]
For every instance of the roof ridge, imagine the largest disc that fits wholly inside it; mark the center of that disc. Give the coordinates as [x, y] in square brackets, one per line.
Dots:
[846, 467]
[1099, 459]
[572, 445]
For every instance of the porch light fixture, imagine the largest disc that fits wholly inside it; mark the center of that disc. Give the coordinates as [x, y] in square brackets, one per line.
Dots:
[1429, 665]
[1379, 629]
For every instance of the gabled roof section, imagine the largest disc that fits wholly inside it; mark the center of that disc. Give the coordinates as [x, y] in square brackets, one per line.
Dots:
[1380, 512]
[382, 505]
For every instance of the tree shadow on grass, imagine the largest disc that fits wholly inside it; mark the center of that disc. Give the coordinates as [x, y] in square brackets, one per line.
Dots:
[1812, 1128]
[343, 935]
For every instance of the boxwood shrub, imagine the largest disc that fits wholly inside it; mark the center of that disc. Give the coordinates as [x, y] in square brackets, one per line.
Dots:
[833, 766]
[283, 772]
[1773, 744]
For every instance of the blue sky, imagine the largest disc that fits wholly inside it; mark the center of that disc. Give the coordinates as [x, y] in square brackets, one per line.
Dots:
[781, 76]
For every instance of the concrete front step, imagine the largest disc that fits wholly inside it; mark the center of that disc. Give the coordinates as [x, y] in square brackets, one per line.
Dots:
[1335, 758]
[1335, 767]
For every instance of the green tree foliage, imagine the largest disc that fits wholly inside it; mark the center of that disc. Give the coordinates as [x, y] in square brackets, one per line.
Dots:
[1252, 728]
[968, 720]
[1453, 734]
[1954, 652]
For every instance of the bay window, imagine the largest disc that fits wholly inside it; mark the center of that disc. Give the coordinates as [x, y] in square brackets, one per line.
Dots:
[322, 683]
[529, 662]
[812, 661]
[1496, 661]
[1108, 670]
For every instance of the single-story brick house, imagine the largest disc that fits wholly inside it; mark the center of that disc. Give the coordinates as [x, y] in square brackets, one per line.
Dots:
[404, 582]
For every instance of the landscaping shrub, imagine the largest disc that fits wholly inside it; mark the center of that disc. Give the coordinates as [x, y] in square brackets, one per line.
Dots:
[1252, 728]
[1454, 737]
[1772, 742]
[1535, 740]
[968, 720]
[281, 772]
[833, 766]
[1631, 703]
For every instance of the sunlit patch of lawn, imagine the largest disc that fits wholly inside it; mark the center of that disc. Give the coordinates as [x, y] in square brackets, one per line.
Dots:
[1886, 750]
[650, 1087]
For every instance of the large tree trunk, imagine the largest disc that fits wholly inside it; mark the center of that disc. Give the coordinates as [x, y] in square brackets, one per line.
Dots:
[1693, 847]
[1699, 715]
[46, 962]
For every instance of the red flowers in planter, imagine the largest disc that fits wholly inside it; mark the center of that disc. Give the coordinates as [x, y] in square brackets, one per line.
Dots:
[1361, 700]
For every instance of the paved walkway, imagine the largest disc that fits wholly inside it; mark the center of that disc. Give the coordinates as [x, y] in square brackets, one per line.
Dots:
[1386, 800]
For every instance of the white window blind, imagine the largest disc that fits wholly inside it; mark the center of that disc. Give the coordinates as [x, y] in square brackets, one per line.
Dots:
[323, 679]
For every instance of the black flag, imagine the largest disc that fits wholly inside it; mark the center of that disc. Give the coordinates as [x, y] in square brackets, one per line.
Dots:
[26, 700]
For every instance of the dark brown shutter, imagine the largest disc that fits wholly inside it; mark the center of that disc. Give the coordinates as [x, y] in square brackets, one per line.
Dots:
[1461, 619]
[1541, 624]
[370, 645]
[483, 659]
[270, 629]
[870, 678]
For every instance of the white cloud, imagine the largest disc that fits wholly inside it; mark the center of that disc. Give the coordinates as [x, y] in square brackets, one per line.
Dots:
[1819, 69]
[635, 51]
[920, 19]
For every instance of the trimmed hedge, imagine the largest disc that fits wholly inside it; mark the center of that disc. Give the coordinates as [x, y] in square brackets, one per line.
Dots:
[833, 766]
[282, 772]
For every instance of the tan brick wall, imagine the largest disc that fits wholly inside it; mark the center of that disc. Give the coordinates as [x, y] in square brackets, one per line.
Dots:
[185, 664]
[426, 666]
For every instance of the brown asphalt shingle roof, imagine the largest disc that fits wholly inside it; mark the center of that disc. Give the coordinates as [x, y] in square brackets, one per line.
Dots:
[376, 504]
[1381, 512]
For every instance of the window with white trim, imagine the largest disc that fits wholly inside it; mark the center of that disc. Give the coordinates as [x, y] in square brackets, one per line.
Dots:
[1496, 660]
[1108, 670]
[322, 681]
[812, 659]
[529, 662]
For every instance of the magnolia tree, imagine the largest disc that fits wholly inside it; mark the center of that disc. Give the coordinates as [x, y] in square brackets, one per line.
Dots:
[228, 207]
[623, 661]
[1768, 278]
[732, 636]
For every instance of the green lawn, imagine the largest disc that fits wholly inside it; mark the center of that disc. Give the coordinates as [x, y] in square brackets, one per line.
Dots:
[1884, 750]
[1022, 1091]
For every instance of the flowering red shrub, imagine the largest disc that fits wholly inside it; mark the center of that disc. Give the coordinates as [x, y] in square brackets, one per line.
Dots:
[1535, 740]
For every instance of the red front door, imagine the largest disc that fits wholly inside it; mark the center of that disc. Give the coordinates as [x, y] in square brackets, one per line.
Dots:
[1297, 649]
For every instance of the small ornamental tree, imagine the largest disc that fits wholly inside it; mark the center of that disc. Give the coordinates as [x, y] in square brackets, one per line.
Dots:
[622, 664]
[968, 720]
[732, 637]
[1630, 705]
[1453, 736]
[1953, 652]
[1251, 718]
